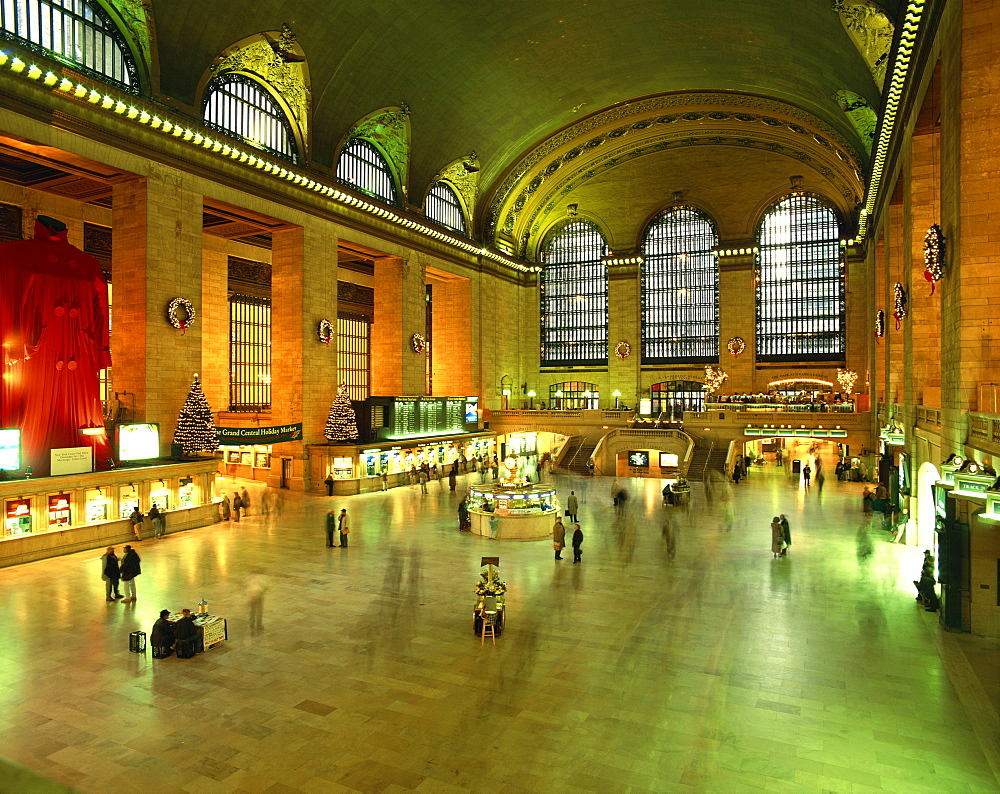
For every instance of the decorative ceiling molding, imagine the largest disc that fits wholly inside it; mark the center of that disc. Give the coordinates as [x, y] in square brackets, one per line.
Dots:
[137, 21]
[644, 113]
[862, 115]
[276, 59]
[871, 31]
[389, 130]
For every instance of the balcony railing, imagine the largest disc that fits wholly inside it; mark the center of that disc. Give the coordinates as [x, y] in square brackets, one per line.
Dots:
[818, 408]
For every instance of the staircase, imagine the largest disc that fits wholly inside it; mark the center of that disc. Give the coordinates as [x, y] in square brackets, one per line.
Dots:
[704, 460]
[576, 459]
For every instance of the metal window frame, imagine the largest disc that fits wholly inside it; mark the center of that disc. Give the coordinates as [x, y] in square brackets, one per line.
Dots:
[32, 24]
[572, 396]
[443, 207]
[800, 286]
[679, 288]
[248, 391]
[354, 367]
[693, 392]
[224, 109]
[363, 167]
[573, 298]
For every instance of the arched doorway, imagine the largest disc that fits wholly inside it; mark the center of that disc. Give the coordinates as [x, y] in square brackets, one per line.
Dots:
[672, 398]
[926, 516]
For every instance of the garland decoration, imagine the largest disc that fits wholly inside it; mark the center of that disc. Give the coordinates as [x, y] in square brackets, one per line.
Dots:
[418, 343]
[623, 350]
[714, 376]
[879, 325]
[172, 317]
[736, 345]
[324, 331]
[899, 303]
[934, 251]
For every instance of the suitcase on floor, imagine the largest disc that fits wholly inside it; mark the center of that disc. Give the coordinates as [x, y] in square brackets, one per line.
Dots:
[137, 642]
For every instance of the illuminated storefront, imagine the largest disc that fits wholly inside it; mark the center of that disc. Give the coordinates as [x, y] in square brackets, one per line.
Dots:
[60, 511]
[17, 517]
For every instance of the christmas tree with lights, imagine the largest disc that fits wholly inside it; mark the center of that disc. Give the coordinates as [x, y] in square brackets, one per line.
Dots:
[341, 424]
[195, 431]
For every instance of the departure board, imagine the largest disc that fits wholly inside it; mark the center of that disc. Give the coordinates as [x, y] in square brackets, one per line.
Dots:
[423, 416]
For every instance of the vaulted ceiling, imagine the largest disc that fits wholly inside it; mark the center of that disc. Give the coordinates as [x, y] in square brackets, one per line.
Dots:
[507, 80]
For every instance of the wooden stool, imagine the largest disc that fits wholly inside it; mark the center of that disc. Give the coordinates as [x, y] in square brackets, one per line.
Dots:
[489, 615]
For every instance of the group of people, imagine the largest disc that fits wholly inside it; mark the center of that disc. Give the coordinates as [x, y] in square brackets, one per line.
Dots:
[155, 515]
[926, 594]
[339, 525]
[559, 539]
[179, 635]
[114, 571]
[240, 503]
[781, 536]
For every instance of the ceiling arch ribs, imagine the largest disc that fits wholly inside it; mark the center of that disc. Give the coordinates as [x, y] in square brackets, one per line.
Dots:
[543, 180]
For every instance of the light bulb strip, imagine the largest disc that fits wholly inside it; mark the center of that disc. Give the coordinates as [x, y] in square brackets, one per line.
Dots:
[129, 111]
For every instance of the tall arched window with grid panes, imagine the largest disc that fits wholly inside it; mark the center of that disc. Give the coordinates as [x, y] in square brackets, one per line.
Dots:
[442, 206]
[77, 31]
[800, 282]
[574, 296]
[680, 289]
[242, 107]
[363, 167]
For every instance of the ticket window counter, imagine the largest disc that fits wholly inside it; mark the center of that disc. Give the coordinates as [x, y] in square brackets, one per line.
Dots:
[343, 468]
[97, 505]
[370, 464]
[60, 513]
[187, 493]
[17, 517]
[128, 500]
[159, 495]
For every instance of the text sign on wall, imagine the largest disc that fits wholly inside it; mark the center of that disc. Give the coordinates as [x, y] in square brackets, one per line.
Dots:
[259, 435]
[71, 460]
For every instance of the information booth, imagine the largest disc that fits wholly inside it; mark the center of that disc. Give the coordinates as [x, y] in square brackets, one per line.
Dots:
[512, 508]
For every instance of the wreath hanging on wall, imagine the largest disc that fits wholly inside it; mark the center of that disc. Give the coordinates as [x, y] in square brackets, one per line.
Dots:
[418, 343]
[623, 350]
[173, 317]
[898, 303]
[324, 331]
[736, 345]
[934, 250]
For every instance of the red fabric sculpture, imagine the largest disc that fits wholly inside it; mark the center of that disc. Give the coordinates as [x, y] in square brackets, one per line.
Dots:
[54, 331]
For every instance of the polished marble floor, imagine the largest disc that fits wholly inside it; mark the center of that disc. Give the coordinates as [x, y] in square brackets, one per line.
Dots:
[678, 656]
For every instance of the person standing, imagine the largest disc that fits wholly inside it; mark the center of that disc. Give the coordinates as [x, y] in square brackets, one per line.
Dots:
[866, 501]
[422, 479]
[256, 588]
[577, 543]
[777, 536]
[237, 506]
[157, 518]
[453, 477]
[331, 526]
[572, 506]
[345, 528]
[161, 638]
[328, 482]
[129, 570]
[136, 519]
[110, 573]
[224, 507]
[806, 475]
[558, 537]
[737, 473]
[494, 526]
[385, 483]
[463, 516]
[786, 534]
[246, 500]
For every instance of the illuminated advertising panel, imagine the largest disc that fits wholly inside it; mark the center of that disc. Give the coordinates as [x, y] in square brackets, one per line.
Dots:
[138, 441]
[10, 449]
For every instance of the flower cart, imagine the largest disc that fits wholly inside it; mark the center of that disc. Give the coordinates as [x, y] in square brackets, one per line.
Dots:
[490, 590]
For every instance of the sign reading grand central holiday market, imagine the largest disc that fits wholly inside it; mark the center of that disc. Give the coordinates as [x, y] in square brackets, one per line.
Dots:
[259, 435]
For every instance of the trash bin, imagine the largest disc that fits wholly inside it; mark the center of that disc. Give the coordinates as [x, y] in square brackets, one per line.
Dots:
[137, 642]
[796, 466]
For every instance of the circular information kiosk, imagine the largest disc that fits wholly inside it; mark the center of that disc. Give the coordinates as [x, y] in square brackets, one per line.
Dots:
[512, 508]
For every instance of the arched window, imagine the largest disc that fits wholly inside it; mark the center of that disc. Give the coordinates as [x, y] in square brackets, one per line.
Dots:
[240, 106]
[574, 297]
[674, 397]
[362, 166]
[443, 206]
[71, 30]
[574, 396]
[680, 289]
[800, 283]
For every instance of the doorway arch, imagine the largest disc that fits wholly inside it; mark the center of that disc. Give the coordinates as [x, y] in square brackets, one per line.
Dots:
[927, 476]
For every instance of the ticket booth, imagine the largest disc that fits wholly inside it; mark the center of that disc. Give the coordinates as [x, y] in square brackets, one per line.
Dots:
[187, 493]
[159, 495]
[97, 505]
[59, 511]
[17, 517]
[128, 501]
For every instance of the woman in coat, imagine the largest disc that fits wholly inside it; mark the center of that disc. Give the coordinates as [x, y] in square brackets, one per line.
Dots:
[577, 543]
[558, 537]
[787, 535]
[110, 573]
[237, 505]
[777, 536]
[224, 508]
[162, 636]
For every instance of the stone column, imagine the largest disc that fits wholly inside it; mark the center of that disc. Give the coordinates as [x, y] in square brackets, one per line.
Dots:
[623, 326]
[215, 322]
[399, 314]
[738, 317]
[451, 351]
[303, 369]
[158, 238]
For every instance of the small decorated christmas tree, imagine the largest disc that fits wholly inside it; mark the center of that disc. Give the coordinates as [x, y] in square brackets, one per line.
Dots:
[195, 431]
[341, 424]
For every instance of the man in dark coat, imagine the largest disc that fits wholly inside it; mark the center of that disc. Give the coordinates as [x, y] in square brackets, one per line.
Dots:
[110, 573]
[129, 570]
[328, 482]
[577, 543]
[162, 636]
[786, 530]
[186, 636]
[331, 526]
[237, 505]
